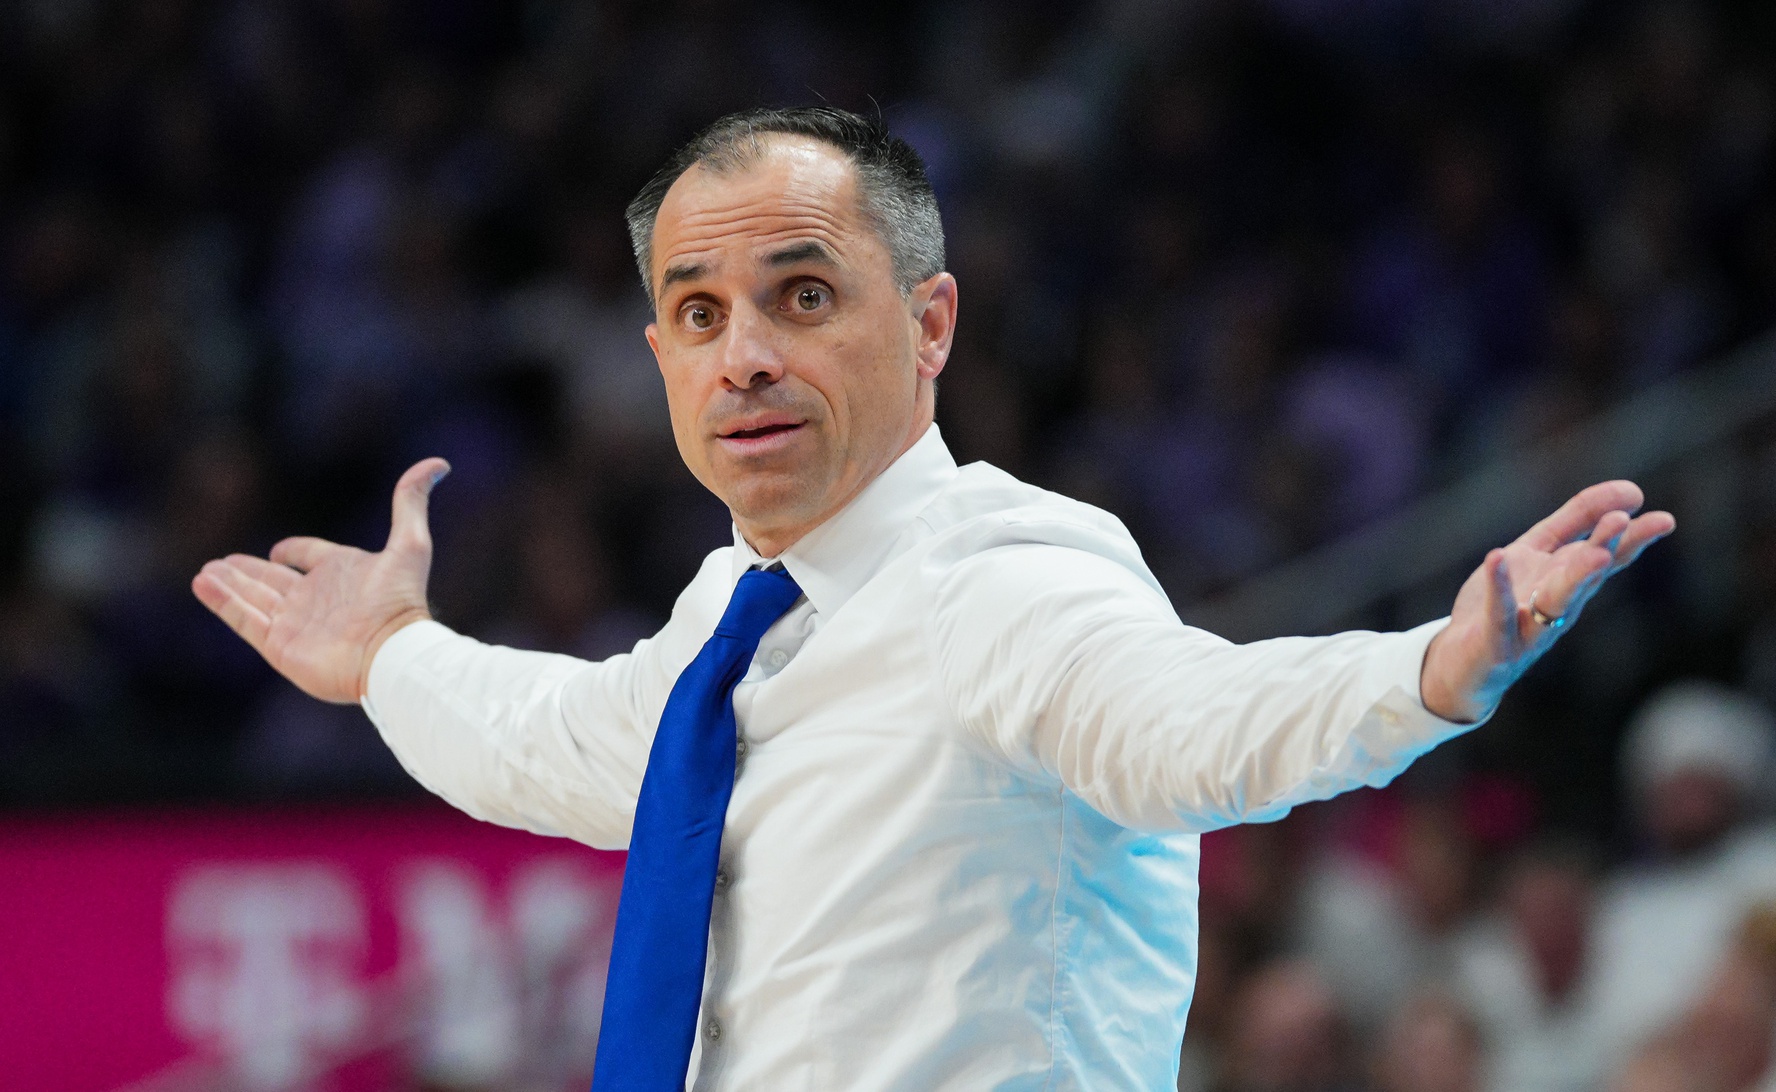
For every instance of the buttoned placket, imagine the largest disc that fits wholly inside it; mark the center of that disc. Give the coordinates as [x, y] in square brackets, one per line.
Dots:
[776, 650]
[711, 1032]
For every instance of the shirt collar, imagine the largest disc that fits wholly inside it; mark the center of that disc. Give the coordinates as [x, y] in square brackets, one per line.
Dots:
[838, 557]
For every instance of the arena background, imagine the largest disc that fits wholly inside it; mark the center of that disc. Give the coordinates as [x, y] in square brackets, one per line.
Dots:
[1322, 297]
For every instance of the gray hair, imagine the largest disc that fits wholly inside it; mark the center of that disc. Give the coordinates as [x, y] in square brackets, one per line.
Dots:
[893, 192]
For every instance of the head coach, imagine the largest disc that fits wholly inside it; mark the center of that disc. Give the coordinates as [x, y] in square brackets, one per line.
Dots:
[913, 777]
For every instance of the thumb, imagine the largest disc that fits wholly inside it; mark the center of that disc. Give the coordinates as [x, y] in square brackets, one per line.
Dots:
[408, 527]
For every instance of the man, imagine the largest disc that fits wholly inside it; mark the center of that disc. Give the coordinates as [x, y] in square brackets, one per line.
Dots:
[926, 751]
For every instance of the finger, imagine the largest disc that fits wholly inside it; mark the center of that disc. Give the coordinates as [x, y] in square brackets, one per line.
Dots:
[1641, 533]
[281, 578]
[303, 553]
[1578, 515]
[407, 526]
[242, 617]
[1609, 528]
[1579, 567]
[260, 595]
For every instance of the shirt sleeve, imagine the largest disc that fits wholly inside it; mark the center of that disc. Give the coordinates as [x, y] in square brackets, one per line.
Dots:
[1072, 667]
[534, 740]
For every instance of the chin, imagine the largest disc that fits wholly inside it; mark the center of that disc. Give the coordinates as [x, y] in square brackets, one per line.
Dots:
[775, 503]
[773, 500]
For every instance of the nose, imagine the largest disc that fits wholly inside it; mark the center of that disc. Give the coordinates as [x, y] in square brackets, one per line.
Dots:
[749, 350]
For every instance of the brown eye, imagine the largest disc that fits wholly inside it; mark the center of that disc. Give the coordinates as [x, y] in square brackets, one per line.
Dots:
[809, 297]
[699, 317]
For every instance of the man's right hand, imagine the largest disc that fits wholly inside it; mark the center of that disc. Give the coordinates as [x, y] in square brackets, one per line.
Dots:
[318, 611]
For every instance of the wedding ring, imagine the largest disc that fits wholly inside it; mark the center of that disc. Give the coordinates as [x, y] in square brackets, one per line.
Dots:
[1551, 621]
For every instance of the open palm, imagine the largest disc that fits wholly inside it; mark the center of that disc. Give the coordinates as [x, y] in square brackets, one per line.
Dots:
[318, 611]
[1553, 569]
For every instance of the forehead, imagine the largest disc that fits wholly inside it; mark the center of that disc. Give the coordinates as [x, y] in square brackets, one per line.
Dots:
[798, 189]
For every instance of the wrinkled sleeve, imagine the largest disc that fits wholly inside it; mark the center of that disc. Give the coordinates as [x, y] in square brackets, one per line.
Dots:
[1071, 666]
[534, 740]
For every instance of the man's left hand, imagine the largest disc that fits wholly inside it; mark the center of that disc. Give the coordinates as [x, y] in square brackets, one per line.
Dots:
[1521, 598]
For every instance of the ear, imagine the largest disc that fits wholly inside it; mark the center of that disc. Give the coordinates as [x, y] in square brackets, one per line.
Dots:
[933, 306]
[653, 336]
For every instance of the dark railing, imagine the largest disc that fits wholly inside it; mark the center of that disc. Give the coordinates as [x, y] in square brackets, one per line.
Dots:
[1683, 425]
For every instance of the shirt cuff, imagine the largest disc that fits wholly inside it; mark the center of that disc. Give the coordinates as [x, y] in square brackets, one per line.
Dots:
[1415, 642]
[1399, 727]
[1410, 657]
[397, 654]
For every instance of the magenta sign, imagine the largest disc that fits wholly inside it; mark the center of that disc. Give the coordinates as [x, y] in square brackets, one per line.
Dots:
[337, 950]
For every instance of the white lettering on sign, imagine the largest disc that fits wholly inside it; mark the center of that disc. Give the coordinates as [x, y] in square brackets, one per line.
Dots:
[265, 968]
[267, 972]
[503, 999]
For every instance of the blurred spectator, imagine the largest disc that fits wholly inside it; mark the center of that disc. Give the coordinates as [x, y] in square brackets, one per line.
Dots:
[585, 319]
[1697, 757]
[187, 684]
[1360, 419]
[1430, 1045]
[52, 684]
[1455, 289]
[1286, 1034]
[1663, 1066]
[1723, 1042]
[1380, 927]
[563, 600]
[1728, 1030]
[1219, 967]
[1526, 972]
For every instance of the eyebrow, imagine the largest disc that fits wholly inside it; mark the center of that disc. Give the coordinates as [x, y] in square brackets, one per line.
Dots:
[689, 271]
[809, 251]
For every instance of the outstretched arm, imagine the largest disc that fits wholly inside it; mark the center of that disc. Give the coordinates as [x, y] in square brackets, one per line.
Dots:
[527, 739]
[1516, 604]
[318, 611]
[1070, 665]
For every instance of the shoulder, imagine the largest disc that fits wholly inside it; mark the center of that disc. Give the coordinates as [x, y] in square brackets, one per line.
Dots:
[987, 520]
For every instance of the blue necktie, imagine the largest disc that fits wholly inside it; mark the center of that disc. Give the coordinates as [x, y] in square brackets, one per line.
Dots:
[655, 984]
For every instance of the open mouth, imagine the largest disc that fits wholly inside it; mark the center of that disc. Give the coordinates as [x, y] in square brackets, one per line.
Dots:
[759, 432]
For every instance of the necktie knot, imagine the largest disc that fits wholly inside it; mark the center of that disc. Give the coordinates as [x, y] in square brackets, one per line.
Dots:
[760, 598]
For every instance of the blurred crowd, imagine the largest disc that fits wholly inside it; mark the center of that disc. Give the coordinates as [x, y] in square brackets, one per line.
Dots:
[1430, 938]
[1248, 273]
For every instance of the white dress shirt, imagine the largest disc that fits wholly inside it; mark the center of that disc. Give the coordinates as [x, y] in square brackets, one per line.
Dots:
[961, 851]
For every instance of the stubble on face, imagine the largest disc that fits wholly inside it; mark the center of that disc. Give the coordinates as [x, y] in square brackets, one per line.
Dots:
[784, 412]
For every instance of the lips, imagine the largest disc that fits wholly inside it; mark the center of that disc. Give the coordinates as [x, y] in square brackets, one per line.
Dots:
[759, 432]
[762, 427]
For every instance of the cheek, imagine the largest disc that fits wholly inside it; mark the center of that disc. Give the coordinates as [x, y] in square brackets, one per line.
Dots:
[855, 385]
[686, 396]
[681, 396]
[879, 371]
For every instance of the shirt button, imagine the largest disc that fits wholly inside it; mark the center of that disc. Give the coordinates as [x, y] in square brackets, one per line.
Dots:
[721, 879]
[739, 753]
[779, 658]
[1390, 718]
[712, 1029]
